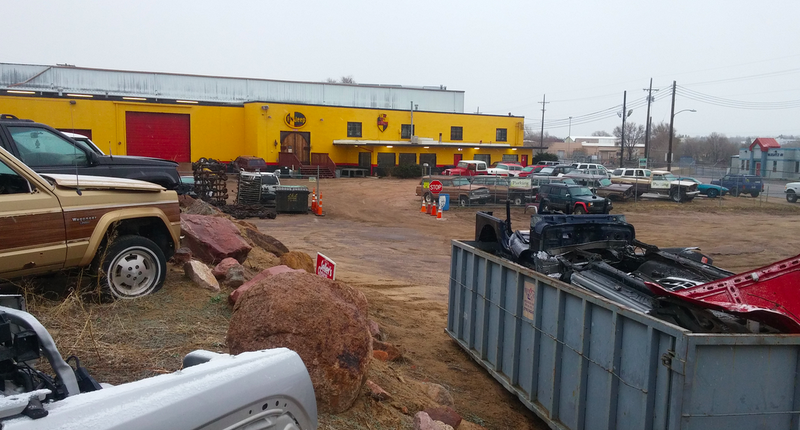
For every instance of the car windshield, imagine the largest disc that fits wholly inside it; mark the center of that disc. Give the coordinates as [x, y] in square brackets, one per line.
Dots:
[528, 169]
[580, 191]
[463, 164]
[605, 182]
[269, 180]
[671, 177]
[459, 181]
[546, 170]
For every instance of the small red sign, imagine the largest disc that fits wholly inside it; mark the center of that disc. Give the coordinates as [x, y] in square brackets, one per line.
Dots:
[435, 187]
[326, 267]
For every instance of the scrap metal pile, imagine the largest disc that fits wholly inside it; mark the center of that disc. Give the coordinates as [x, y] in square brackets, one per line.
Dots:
[600, 253]
[210, 181]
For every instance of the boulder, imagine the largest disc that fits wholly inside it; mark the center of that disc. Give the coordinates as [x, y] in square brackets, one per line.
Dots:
[375, 330]
[213, 239]
[380, 355]
[201, 275]
[444, 414]
[267, 242]
[221, 269]
[235, 277]
[324, 321]
[298, 260]
[438, 394]
[199, 207]
[185, 201]
[258, 278]
[423, 421]
[181, 256]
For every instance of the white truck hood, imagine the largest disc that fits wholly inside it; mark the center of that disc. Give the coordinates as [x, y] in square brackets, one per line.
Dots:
[101, 182]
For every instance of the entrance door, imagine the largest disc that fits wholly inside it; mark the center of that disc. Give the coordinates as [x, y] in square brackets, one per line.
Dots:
[524, 160]
[159, 135]
[298, 144]
[365, 161]
[758, 168]
[456, 159]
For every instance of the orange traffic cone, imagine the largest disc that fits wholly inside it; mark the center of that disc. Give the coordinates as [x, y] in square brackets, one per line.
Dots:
[423, 209]
[428, 209]
[439, 216]
[433, 209]
[314, 201]
[319, 204]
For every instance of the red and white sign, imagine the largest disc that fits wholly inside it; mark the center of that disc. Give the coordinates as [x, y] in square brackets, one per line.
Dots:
[326, 267]
[435, 187]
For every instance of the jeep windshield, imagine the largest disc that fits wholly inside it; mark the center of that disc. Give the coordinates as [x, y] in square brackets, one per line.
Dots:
[605, 182]
[580, 191]
[459, 181]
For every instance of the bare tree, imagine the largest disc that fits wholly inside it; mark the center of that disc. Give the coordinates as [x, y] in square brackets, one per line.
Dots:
[719, 148]
[634, 135]
[659, 142]
[344, 80]
[601, 133]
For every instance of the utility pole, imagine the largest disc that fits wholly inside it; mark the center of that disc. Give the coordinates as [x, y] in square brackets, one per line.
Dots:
[541, 137]
[647, 127]
[622, 140]
[671, 120]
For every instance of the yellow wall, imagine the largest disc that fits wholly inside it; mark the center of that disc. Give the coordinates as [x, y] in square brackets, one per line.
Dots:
[225, 132]
[216, 132]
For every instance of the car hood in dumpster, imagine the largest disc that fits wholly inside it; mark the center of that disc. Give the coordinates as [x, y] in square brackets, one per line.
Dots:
[680, 285]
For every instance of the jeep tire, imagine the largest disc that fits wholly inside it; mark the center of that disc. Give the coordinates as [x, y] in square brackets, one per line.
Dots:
[130, 267]
[735, 191]
[791, 197]
[579, 210]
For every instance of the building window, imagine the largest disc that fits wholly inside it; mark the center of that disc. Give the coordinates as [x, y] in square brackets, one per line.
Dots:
[456, 133]
[746, 164]
[797, 167]
[560, 154]
[774, 166]
[406, 131]
[407, 158]
[353, 129]
[486, 158]
[511, 158]
[502, 135]
[742, 165]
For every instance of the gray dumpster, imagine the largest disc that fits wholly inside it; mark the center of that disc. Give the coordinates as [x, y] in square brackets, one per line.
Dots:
[580, 361]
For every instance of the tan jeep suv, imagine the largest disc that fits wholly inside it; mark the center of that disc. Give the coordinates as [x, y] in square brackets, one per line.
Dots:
[123, 230]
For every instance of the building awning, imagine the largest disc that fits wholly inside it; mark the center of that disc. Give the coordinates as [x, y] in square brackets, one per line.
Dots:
[422, 143]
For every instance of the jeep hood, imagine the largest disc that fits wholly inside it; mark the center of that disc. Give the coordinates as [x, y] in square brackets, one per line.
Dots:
[101, 183]
[133, 160]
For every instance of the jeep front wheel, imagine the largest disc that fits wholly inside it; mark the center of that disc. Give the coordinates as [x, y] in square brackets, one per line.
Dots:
[132, 266]
[579, 210]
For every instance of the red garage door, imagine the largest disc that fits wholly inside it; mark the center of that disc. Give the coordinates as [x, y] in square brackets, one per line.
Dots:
[160, 135]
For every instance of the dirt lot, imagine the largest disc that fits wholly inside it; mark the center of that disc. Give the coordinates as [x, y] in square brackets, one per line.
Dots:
[399, 258]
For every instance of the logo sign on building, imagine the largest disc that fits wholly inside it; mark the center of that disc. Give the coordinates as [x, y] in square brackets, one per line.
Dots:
[326, 267]
[295, 120]
[435, 187]
[382, 122]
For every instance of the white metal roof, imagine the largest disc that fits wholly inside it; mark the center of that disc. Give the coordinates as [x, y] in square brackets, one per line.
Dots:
[63, 79]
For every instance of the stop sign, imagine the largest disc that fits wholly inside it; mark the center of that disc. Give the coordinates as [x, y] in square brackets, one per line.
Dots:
[435, 187]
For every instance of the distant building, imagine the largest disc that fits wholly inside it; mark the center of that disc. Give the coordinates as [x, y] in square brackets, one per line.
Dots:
[600, 149]
[766, 158]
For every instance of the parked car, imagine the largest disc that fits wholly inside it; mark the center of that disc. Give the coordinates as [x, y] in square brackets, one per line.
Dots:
[708, 190]
[503, 188]
[592, 168]
[123, 230]
[571, 199]
[741, 184]
[531, 170]
[467, 168]
[458, 188]
[47, 150]
[250, 164]
[504, 169]
[601, 185]
[792, 189]
[559, 170]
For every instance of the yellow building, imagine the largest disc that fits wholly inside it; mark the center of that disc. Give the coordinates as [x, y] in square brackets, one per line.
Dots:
[337, 126]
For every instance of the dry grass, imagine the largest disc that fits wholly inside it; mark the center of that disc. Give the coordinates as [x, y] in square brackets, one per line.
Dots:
[128, 340]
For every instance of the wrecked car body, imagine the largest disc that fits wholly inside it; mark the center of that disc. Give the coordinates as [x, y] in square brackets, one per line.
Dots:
[600, 253]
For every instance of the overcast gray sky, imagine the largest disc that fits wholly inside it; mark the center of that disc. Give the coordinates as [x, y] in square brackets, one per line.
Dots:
[736, 62]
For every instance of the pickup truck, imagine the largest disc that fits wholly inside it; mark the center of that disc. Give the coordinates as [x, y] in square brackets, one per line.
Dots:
[468, 168]
[660, 182]
[741, 184]
[47, 150]
[504, 169]
[123, 230]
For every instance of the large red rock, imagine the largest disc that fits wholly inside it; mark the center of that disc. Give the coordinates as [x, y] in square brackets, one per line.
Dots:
[324, 321]
[275, 270]
[213, 239]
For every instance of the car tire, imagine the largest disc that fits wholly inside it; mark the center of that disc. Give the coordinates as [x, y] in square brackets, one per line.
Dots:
[463, 201]
[712, 193]
[791, 197]
[130, 267]
[579, 210]
[517, 200]
[754, 194]
[428, 198]
[677, 195]
[544, 206]
[735, 192]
